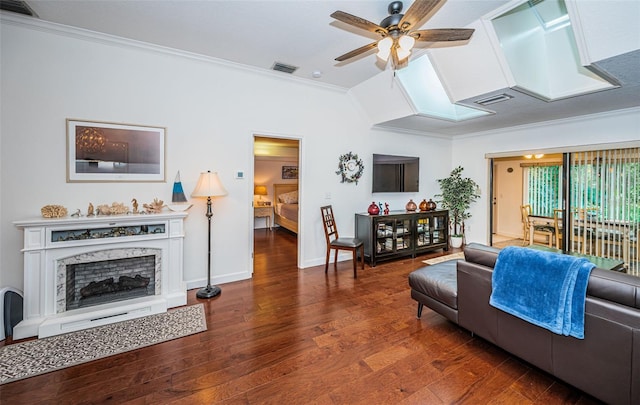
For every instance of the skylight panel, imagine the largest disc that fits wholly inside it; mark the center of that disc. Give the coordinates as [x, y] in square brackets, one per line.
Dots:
[423, 87]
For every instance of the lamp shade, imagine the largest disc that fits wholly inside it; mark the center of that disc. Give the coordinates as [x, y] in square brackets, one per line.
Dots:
[209, 185]
[406, 42]
[260, 190]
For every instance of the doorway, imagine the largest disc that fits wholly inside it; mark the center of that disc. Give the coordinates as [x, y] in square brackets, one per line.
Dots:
[275, 202]
[506, 201]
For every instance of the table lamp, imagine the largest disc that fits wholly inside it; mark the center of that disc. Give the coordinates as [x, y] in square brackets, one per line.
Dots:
[209, 186]
[260, 191]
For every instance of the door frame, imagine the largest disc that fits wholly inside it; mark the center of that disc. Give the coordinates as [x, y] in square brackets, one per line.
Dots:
[251, 177]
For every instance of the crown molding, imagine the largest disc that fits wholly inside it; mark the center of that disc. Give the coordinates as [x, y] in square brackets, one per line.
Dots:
[381, 127]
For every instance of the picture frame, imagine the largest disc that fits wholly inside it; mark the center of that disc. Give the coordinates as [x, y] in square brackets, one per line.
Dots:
[289, 172]
[112, 152]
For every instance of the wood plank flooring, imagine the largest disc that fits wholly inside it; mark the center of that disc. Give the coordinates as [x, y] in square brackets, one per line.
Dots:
[292, 336]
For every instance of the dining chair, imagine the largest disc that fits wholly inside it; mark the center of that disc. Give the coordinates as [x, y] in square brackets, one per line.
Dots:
[545, 230]
[557, 225]
[334, 241]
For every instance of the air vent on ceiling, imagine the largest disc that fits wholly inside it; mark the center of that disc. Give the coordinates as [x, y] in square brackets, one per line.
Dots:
[494, 99]
[282, 67]
[17, 6]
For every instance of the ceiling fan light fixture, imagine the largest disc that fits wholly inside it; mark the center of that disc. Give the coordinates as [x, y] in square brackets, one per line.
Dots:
[406, 42]
[383, 55]
[384, 48]
[385, 44]
[402, 53]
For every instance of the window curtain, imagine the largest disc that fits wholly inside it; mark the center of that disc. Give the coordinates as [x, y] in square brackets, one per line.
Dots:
[605, 204]
[542, 188]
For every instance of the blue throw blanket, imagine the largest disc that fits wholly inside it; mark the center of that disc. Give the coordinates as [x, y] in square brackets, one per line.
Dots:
[544, 288]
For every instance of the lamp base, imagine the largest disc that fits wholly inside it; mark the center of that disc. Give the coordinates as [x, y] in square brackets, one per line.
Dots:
[209, 291]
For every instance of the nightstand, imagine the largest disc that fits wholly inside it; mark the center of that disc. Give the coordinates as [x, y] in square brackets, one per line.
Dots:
[263, 211]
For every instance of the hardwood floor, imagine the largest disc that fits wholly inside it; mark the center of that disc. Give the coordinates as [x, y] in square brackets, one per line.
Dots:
[292, 336]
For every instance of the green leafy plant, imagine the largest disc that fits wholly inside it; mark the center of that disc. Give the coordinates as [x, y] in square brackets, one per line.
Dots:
[457, 194]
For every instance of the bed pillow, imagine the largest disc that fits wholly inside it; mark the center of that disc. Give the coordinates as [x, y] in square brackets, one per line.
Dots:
[289, 198]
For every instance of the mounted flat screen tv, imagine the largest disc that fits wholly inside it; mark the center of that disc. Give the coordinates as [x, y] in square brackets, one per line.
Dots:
[395, 174]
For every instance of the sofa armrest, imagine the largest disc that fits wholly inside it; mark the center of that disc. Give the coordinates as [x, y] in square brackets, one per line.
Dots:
[474, 290]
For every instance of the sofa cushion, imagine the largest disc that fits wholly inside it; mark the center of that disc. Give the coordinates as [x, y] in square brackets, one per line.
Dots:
[614, 286]
[481, 254]
[438, 281]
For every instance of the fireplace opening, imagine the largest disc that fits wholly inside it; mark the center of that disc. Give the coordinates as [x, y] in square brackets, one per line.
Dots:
[104, 281]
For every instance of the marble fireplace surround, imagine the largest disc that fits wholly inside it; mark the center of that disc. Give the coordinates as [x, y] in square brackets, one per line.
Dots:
[50, 244]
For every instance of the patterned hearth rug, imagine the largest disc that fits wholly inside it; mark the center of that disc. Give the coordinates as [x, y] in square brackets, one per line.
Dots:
[22, 360]
[459, 255]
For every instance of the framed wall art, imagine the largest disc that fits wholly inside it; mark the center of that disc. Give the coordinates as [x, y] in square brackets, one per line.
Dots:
[289, 172]
[103, 152]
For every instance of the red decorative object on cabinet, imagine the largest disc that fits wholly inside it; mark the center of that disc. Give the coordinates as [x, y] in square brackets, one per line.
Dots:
[373, 209]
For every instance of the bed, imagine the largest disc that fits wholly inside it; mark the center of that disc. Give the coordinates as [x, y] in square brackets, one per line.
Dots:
[285, 200]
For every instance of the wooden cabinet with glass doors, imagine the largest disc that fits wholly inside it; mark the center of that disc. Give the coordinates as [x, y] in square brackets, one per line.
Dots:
[432, 231]
[401, 233]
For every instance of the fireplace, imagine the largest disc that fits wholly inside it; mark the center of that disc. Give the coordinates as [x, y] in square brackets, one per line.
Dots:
[107, 276]
[84, 272]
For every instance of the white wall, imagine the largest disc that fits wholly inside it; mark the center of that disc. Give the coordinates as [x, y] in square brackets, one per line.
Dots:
[211, 111]
[469, 151]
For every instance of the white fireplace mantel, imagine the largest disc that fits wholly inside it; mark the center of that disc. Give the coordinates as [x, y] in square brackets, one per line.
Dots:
[50, 241]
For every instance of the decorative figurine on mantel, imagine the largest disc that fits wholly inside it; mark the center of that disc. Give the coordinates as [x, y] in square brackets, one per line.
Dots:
[115, 208]
[135, 206]
[90, 210]
[53, 211]
[178, 198]
[155, 207]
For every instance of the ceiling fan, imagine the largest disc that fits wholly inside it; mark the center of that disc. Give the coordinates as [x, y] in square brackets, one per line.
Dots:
[397, 31]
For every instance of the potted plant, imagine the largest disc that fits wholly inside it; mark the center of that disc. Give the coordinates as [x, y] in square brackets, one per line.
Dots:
[457, 194]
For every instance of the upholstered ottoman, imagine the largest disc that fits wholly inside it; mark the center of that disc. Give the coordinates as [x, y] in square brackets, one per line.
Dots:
[436, 286]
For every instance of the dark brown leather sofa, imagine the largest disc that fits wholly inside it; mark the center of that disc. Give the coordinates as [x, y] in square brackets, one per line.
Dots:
[605, 364]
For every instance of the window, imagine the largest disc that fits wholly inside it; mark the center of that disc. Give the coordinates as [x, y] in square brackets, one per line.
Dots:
[542, 188]
[605, 203]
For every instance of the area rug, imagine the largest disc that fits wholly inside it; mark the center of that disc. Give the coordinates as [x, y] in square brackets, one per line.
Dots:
[34, 357]
[459, 255]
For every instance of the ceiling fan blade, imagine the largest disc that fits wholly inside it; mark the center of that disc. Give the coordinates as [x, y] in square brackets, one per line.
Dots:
[442, 34]
[357, 52]
[358, 22]
[416, 12]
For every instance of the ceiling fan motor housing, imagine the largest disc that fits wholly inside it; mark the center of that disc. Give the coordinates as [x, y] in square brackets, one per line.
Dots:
[394, 18]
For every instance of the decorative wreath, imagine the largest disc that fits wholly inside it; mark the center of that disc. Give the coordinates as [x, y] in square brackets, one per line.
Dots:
[350, 168]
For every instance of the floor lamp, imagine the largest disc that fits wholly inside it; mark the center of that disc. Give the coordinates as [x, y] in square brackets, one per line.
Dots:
[209, 186]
